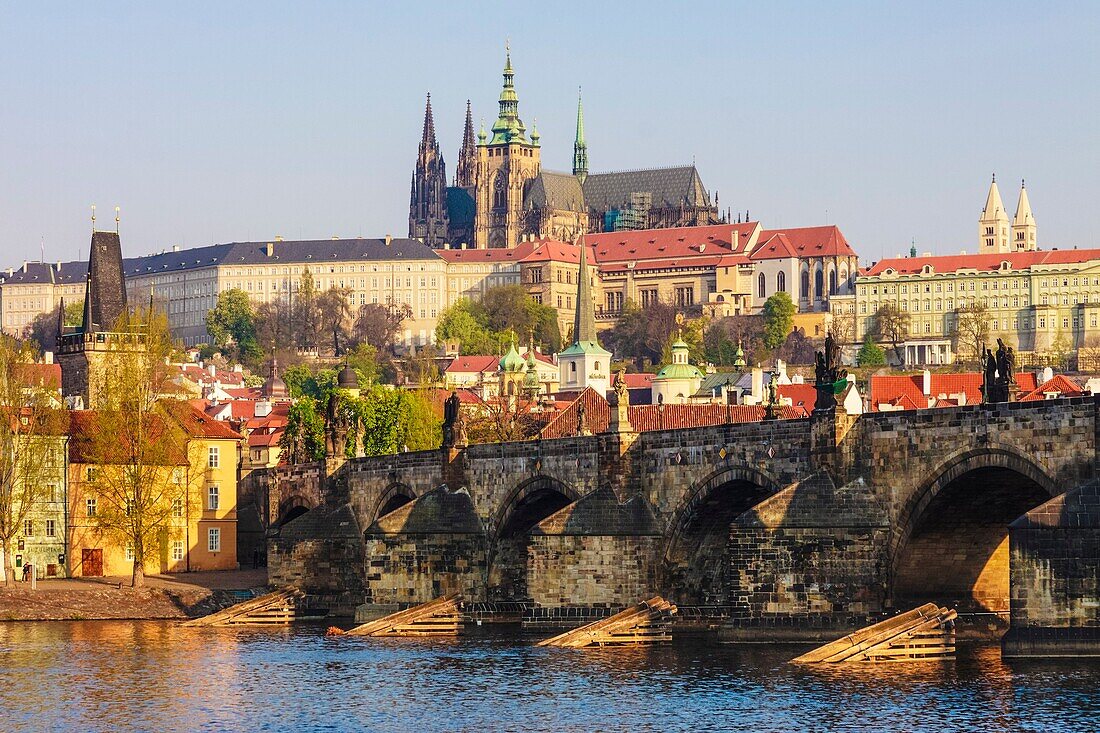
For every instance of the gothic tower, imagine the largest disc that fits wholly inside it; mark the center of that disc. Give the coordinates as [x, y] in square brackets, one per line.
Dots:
[993, 224]
[580, 148]
[428, 198]
[505, 163]
[1023, 226]
[466, 168]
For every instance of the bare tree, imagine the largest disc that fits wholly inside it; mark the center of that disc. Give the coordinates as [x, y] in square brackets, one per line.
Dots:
[31, 445]
[143, 459]
[891, 325]
[378, 324]
[971, 330]
[335, 313]
[843, 324]
[1088, 356]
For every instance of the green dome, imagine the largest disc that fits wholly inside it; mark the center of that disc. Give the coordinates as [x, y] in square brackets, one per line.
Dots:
[679, 371]
[512, 361]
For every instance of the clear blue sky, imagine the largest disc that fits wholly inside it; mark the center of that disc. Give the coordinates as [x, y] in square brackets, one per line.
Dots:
[214, 122]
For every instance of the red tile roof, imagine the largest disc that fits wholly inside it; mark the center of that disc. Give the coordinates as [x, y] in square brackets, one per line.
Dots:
[1059, 385]
[823, 241]
[679, 241]
[800, 395]
[984, 262]
[476, 364]
[776, 247]
[43, 376]
[487, 255]
[656, 417]
[906, 391]
[553, 251]
[197, 423]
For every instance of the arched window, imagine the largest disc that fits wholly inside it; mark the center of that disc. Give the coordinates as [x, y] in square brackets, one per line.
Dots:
[781, 282]
[818, 283]
[805, 284]
[762, 286]
[832, 282]
[499, 197]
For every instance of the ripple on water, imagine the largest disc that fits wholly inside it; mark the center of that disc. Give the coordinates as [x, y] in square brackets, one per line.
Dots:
[153, 676]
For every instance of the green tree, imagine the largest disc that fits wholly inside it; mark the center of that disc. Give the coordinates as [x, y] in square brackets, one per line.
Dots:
[778, 314]
[305, 317]
[870, 354]
[642, 333]
[232, 325]
[304, 437]
[43, 329]
[458, 322]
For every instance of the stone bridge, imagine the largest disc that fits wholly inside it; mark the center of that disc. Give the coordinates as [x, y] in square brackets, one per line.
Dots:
[778, 528]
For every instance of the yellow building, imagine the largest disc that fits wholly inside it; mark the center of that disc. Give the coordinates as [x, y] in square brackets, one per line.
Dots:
[201, 529]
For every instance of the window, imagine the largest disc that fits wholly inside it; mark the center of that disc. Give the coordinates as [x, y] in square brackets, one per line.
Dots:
[805, 291]
[89, 474]
[89, 506]
[129, 553]
[214, 539]
[28, 528]
[177, 549]
[781, 282]
[761, 286]
[177, 507]
[212, 498]
[213, 457]
[51, 528]
[819, 283]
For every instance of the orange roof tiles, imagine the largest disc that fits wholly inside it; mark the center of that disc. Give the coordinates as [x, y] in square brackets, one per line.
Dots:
[983, 262]
[907, 391]
[823, 241]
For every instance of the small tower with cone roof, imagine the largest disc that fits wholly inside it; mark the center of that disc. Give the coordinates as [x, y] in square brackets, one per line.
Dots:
[993, 224]
[584, 363]
[1023, 224]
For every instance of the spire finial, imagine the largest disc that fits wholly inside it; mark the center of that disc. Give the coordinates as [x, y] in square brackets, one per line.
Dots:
[994, 177]
[117, 218]
[93, 217]
[1023, 183]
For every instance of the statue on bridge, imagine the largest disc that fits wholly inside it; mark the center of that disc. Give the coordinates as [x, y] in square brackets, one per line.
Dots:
[998, 373]
[450, 420]
[828, 374]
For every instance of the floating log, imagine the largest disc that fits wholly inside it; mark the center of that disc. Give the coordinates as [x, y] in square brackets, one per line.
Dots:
[441, 617]
[279, 607]
[649, 622]
[926, 633]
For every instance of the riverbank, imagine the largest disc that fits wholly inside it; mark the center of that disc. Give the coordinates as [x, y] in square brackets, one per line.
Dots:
[182, 596]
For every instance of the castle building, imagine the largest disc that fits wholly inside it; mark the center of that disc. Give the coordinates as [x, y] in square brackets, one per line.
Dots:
[501, 195]
[1041, 302]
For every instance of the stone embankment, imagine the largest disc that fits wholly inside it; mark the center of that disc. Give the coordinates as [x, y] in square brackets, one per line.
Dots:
[163, 597]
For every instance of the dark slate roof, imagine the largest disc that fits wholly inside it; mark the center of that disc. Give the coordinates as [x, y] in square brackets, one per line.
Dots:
[298, 252]
[668, 187]
[550, 190]
[46, 272]
[324, 522]
[460, 206]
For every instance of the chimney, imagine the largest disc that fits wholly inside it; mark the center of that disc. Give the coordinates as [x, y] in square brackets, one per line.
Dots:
[24, 266]
[757, 390]
[47, 358]
[213, 369]
[926, 383]
[1048, 374]
[278, 238]
[175, 248]
[59, 265]
[263, 408]
[269, 249]
[389, 239]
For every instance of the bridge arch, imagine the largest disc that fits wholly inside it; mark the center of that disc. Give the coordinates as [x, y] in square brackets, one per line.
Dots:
[527, 504]
[695, 562]
[393, 497]
[950, 541]
[293, 507]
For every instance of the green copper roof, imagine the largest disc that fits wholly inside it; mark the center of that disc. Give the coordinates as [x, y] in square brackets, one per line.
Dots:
[585, 347]
[679, 371]
[511, 361]
[508, 127]
[580, 149]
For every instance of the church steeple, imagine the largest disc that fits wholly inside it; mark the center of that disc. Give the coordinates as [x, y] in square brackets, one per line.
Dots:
[585, 363]
[509, 127]
[580, 148]
[993, 224]
[1023, 225]
[466, 167]
[428, 197]
[584, 319]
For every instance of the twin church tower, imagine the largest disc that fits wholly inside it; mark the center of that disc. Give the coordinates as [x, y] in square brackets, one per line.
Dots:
[994, 232]
[501, 196]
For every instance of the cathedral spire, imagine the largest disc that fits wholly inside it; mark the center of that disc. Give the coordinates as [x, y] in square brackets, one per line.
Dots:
[509, 127]
[580, 148]
[584, 319]
[428, 198]
[428, 138]
[467, 155]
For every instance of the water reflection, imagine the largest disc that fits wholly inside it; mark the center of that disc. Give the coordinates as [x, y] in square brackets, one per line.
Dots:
[154, 676]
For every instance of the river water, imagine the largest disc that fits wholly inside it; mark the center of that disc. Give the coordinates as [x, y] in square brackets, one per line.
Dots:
[156, 676]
